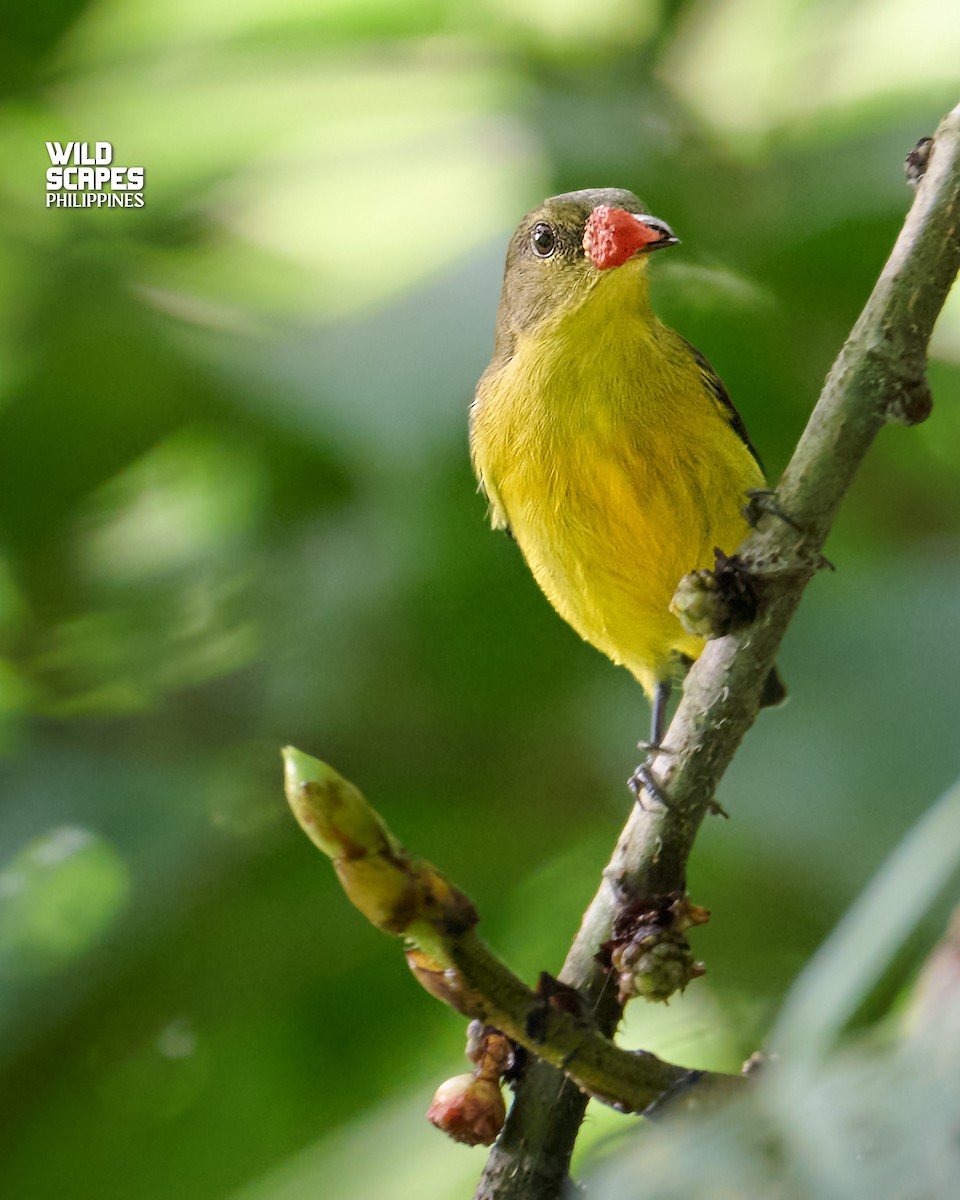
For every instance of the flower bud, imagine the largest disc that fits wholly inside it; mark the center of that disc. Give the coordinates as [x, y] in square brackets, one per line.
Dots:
[469, 1110]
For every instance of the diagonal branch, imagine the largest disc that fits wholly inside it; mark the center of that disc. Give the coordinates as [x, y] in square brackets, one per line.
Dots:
[879, 377]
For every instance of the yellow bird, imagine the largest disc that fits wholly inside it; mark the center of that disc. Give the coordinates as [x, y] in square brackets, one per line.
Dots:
[605, 443]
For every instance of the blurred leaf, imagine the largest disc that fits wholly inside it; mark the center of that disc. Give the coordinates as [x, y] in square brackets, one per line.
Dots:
[867, 1127]
[842, 972]
[58, 897]
[754, 69]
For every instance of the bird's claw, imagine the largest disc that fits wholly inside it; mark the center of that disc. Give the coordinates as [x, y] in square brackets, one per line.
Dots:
[643, 780]
[763, 502]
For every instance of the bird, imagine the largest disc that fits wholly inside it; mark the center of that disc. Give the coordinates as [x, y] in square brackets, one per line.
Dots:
[605, 443]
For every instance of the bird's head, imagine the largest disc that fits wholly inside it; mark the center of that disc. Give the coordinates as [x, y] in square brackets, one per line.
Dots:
[567, 247]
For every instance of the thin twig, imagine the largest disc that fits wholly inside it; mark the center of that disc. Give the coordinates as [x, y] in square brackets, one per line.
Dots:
[408, 897]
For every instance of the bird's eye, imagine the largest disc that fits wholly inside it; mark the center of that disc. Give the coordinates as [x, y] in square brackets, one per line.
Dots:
[543, 240]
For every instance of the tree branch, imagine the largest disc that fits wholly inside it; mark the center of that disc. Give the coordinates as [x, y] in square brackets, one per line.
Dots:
[878, 378]
[408, 897]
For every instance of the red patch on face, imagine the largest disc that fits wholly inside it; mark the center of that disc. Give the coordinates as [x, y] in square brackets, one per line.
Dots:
[612, 235]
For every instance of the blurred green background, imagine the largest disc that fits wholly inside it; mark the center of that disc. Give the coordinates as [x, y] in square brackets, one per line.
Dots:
[236, 511]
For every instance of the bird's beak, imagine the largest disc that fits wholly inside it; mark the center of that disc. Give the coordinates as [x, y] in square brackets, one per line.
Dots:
[613, 235]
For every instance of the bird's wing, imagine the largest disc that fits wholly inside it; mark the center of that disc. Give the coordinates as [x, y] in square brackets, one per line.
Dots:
[715, 385]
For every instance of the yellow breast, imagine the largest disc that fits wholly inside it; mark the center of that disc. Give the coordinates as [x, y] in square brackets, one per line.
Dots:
[617, 470]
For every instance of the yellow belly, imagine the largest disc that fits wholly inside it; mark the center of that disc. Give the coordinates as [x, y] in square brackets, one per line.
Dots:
[616, 478]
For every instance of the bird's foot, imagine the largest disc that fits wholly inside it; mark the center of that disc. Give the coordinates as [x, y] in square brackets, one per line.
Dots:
[764, 502]
[643, 780]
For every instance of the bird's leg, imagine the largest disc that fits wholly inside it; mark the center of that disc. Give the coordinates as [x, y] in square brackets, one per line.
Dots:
[642, 778]
[658, 719]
